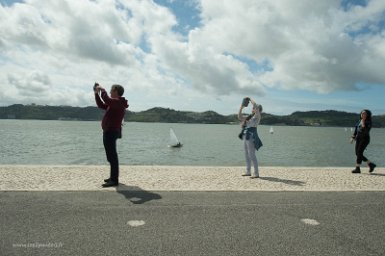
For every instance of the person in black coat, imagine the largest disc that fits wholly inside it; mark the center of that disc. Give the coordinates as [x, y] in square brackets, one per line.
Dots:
[362, 137]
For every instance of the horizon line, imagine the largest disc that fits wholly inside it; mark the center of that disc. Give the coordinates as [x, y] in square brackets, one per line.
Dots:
[304, 111]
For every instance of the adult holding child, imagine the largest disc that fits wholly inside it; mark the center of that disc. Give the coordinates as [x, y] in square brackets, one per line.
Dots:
[115, 109]
[362, 138]
[249, 135]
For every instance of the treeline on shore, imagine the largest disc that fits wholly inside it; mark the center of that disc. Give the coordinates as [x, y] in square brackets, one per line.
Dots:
[166, 115]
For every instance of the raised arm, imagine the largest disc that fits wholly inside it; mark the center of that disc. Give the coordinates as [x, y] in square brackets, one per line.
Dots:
[253, 102]
[107, 100]
[240, 116]
[98, 101]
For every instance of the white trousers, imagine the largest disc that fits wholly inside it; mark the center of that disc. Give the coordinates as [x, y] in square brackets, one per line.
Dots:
[250, 156]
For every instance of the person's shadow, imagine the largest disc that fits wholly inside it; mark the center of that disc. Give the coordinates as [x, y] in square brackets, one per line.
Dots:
[376, 174]
[288, 182]
[135, 194]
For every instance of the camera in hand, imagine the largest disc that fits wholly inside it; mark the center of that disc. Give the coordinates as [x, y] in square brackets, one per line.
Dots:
[95, 85]
[245, 101]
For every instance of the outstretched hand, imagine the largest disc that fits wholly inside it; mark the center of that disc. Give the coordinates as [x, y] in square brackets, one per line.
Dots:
[98, 88]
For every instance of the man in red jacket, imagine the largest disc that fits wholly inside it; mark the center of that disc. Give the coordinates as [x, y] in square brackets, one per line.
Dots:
[115, 107]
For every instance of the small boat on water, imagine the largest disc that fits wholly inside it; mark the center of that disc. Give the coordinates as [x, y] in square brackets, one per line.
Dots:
[271, 130]
[174, 142]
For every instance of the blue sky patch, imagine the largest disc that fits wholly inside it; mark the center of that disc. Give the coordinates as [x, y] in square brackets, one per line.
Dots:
[370, 28]
[254, 67]
[347, 4]
[186, 12]
[10, 2]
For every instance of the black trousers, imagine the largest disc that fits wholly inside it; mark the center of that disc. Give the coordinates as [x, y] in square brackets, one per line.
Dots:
[109, 142]
[361, 144]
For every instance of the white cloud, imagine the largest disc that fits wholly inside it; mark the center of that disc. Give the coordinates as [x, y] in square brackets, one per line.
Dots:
[57, 49]
[306, 41]
[34, 82]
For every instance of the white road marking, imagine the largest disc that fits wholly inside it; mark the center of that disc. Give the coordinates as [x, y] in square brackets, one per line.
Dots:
[136, 223]
[310, 222]
[135, 199]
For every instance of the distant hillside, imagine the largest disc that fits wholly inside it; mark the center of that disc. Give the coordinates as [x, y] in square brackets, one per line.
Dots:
[165, 115]
[174, 116]
[334, 118]
[19, 111]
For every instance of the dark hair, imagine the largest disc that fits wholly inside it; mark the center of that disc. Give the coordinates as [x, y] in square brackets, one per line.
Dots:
[119, 89]
[369, 114]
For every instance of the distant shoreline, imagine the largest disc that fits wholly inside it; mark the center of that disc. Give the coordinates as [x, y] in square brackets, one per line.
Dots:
[327, 118]
[237, 124]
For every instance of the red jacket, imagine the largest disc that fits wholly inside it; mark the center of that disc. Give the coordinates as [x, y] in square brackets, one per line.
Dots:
[115, 110]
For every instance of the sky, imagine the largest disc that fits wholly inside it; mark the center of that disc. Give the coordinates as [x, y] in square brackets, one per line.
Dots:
[196, 55]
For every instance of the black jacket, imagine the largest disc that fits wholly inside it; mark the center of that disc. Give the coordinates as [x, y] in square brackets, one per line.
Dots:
[362, 132]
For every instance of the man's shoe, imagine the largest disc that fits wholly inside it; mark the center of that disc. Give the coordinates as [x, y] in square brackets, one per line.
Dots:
[107, 180]
[357, 170]
[371, 167]
[246, 174]
[254, 177]
[110, 184]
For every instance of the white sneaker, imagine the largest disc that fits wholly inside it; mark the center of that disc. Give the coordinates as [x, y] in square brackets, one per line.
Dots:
[254, 176]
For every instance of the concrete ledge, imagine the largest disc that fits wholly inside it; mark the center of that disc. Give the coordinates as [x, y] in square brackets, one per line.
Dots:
[188, 178]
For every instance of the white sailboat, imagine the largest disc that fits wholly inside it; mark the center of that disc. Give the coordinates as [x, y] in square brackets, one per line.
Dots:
[174, 142]
[271, 130]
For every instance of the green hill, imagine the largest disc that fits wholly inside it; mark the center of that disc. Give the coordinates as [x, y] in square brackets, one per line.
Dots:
[173, 116]
[166, 115]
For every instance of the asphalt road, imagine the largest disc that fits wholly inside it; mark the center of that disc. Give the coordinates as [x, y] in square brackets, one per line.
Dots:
[192, 223]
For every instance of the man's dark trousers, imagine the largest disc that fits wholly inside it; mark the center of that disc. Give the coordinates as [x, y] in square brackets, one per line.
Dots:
[109, 141]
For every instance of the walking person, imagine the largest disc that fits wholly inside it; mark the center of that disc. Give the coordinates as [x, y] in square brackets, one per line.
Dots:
[115, 107]
[362, 137]
[249, 135]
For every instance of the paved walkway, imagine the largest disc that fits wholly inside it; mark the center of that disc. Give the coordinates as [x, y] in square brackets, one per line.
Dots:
[189, 178]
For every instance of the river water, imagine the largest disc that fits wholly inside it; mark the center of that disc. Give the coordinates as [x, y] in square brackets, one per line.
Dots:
[80, 142]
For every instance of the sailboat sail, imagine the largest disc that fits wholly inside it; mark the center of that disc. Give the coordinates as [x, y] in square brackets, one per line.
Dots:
[271, 130]
[173, 139]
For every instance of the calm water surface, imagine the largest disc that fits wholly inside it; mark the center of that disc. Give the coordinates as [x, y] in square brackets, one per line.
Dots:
[78, 142]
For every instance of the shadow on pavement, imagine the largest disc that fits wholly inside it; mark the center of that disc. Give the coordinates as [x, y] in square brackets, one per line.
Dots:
[288, 182]
[135, 194]
[377, 174]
